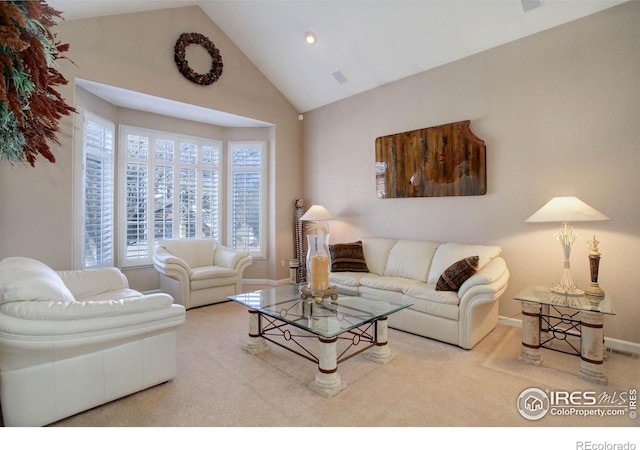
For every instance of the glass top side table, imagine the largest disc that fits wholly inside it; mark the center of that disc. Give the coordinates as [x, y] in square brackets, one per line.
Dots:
[544, 312]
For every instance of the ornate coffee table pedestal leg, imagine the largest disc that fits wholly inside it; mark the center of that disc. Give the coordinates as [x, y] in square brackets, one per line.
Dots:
[530, 352]
[592, 347]
[380, 353]
[256, 343]
[327, 381]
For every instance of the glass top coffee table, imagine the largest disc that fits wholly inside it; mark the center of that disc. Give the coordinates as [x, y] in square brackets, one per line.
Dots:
[283, 318]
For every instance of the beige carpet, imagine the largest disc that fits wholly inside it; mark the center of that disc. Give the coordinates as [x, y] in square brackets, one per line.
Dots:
[429, 384]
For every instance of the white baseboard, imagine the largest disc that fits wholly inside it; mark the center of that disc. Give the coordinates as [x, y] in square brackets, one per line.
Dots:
[510, 321]
[611, 343]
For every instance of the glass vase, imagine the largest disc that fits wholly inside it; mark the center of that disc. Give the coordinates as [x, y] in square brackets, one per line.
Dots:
[318, 261]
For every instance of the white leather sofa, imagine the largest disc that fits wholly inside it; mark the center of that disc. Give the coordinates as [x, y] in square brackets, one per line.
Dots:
[73, 340]
[198, 272]
[407, 271]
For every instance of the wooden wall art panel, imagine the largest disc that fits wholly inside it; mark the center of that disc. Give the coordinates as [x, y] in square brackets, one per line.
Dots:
[441, 161]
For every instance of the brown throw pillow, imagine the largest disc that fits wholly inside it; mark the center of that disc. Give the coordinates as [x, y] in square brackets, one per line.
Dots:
[457, 273]
[347, 257]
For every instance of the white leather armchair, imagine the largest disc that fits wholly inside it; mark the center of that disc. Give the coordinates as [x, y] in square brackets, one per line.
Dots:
[76, 339]
[198, 272]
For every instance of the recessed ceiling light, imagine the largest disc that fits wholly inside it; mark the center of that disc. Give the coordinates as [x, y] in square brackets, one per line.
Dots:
[310, 37]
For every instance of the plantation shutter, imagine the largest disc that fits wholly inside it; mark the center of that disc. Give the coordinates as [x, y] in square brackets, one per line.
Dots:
[99, 200]
[247, 197]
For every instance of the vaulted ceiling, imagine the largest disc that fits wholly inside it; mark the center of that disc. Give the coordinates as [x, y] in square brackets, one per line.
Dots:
[361, 44]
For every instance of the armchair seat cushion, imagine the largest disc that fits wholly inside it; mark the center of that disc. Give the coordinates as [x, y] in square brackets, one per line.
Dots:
[203, 273]
[211, 282]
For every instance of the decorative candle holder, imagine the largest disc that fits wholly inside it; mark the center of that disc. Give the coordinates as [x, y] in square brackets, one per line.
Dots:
[318, 267]
[318, 261]
[594, 265]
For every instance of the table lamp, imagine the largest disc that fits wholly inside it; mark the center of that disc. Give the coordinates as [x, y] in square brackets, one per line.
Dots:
[565, 210]
[316, 216]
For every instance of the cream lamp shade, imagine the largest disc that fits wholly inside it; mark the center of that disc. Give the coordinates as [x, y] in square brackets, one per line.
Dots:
[565, 210]
[316, 215]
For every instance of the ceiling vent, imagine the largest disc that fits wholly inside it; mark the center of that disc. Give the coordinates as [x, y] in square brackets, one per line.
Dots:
[528, 5]
[339, 77]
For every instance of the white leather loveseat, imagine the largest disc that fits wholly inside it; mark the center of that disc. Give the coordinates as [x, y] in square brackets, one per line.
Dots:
[198, 272]
[73, 340]
[408, 271]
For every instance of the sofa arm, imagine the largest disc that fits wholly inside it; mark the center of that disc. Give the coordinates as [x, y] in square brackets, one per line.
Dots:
[227, 257]
[488, 275]
[167, 263]
[478, 309]
[37, 310]
[93, 281]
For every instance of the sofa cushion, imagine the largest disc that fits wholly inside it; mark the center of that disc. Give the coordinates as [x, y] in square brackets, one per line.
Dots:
[449, 253]
[396, 284]
[427, 291]
[195, 252]
[432, 308]
[350, 278]
[376, 252]
[31, 280]
[410, 259]
[457, 273]
[347, 257]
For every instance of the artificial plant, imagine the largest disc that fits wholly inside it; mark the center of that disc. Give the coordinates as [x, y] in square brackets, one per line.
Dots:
[30, 107]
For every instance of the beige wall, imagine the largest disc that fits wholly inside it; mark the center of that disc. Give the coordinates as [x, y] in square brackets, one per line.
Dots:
[559, 113]
[135, 52]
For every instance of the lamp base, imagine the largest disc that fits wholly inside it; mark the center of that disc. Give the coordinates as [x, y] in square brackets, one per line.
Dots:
[594, 290]
[566, 286]
[564, 291]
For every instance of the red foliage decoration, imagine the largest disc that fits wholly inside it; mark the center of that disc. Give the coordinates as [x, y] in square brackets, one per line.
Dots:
[30, 107]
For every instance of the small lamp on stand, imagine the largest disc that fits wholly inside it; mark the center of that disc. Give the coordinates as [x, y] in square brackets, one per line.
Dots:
[565, 210]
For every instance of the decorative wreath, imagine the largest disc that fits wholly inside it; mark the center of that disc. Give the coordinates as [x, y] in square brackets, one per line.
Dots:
[182, 43]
